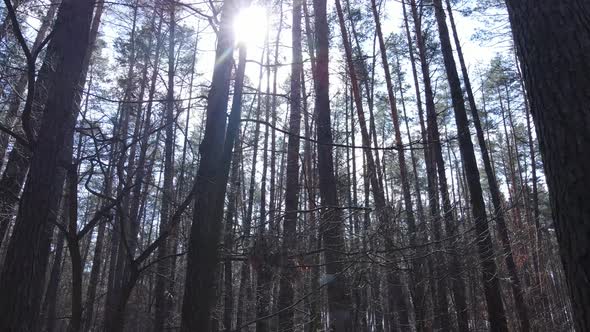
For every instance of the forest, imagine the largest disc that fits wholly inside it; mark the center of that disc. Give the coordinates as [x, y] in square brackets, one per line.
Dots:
[294, 165]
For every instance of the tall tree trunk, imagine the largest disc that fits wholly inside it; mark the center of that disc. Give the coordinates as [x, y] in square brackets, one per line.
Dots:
[97, 262]
[417, 285]
[339, 301]
[73, 242]
[552, 43]
[114, 239]
[421, 301]
[407, 196]
[314, 321]
[228, 242]
[273, 107]
[434, 161]
[247, 222]
[202, 258]
[71, 226]
[50, 302]
[233, 158]
[289, 245]
[23, 273]
[163, 303]
[496, 314]
[17, 164]
[182, 178]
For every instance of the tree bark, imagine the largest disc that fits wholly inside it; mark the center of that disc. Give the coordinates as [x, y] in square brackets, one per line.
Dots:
[202, 257]
[289, 244]
[23, 273]
[165, 273]
[73, 242]
[434, 161]
[233, 158]
[228, 242]
[49, 304]
[339, 301]
[552, 40]
[247, 222]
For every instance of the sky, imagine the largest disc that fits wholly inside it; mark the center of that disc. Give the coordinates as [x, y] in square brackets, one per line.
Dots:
[252, 22]
[251, 28]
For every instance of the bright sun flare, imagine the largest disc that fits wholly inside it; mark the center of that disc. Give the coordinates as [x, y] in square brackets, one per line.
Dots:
[250, 26]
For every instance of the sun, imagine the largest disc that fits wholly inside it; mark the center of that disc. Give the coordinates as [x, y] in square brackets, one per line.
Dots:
[250, 26]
